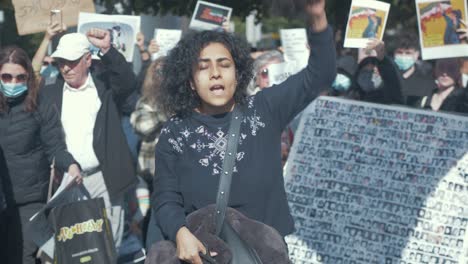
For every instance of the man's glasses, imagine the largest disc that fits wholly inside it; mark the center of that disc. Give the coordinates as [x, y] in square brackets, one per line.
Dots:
[62, 62]
[53, 63]
[8, 78]
[264, 73]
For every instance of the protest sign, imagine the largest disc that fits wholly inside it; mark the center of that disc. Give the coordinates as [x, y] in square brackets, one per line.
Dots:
[166, 39]
[123, 30]
[208, 16]
[438, 21]
[34, 16]
[295, 45]
[279, 72]
[367, 19]
[369, 183]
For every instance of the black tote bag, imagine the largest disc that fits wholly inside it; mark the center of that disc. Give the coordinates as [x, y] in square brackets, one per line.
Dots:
[83, 233]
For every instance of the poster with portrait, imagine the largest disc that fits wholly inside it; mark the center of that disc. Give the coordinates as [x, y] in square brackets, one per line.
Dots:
[438, 21]
[370, 183]
[209, 16]
[34, 16]
[367, 20]
[123, 30]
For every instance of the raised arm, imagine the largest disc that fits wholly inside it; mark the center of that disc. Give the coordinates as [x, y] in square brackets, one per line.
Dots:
[389, 72]
[51, 31]
[120, 75]
[287, 99]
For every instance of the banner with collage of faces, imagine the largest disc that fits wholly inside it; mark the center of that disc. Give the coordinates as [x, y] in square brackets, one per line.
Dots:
[369, 183]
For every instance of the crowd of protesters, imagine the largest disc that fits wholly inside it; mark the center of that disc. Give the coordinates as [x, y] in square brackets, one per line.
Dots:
[125, 137]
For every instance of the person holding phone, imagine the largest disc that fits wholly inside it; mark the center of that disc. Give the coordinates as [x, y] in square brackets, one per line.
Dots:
[32, 137]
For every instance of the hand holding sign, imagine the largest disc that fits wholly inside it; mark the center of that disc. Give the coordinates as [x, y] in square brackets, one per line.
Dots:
[378, 46]
[463, 32]
[209, 16]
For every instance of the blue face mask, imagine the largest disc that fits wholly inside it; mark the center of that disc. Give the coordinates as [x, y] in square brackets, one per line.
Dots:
[341, 83]
[404, 62]
[13, 90]
[49, 71]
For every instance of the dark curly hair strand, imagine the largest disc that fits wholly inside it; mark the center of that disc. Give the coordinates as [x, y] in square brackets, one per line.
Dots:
[176, 96]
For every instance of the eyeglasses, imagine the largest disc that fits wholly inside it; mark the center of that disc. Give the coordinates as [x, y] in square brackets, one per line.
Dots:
[62, 62]
[53, 63]
[264, 73]
[8, 78]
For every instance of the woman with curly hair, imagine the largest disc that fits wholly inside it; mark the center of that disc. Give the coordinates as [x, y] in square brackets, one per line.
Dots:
[32, 137]
[205, 77]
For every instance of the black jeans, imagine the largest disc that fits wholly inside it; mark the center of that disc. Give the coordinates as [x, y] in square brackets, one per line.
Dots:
[16, 243]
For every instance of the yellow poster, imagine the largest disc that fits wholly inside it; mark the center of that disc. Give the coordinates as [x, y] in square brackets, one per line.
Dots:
[366, 23]
[367, 20]
[439, 21]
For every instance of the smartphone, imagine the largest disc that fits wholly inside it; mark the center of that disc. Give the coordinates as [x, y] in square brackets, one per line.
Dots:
[56, 16]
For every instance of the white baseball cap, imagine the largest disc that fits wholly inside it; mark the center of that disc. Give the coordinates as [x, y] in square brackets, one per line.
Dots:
[71, 47]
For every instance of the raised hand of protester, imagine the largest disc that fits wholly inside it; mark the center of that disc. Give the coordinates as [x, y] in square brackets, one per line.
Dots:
[189, 247]
[463, 32]
[75, 172]
[54, 29]
[378, 46]
[99, 38]
[153, 47]
[315, 10]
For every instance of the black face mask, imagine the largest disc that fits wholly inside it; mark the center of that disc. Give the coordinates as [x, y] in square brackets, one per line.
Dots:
[369, 81]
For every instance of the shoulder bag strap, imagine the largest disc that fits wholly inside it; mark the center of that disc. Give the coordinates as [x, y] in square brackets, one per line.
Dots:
[230, 155]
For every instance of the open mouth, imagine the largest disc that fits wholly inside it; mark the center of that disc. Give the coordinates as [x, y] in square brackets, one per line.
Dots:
[217, 89]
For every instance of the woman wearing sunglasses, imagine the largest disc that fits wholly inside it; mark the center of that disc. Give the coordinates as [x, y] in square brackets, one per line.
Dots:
[31, 137]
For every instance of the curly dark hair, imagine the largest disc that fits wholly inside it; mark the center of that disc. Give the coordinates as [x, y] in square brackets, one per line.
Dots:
[16, 55]
[176, 95]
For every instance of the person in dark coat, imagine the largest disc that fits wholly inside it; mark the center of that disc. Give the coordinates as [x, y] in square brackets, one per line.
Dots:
[346, 69]
[415, 83]
[205, 77]
[376, 79]
[31, 138]
[449, 95]
[90, 99]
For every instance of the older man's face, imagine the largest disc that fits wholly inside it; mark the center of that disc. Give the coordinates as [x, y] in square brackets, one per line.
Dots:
[262, 74]
[75, 73]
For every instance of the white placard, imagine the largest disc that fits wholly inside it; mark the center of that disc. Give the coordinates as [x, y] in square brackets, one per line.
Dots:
[279, 72]
[209, 16]
[366, 20]
[123, 30]
[166, 39]
[369, 183]
[438, 21]
[295, 45]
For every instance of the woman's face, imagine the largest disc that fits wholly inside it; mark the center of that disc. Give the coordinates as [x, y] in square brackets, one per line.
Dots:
[444, 81]
[13, 73]
[214, 79]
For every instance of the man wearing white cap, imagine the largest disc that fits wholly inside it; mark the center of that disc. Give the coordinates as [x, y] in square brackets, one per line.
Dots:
[89, 100]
